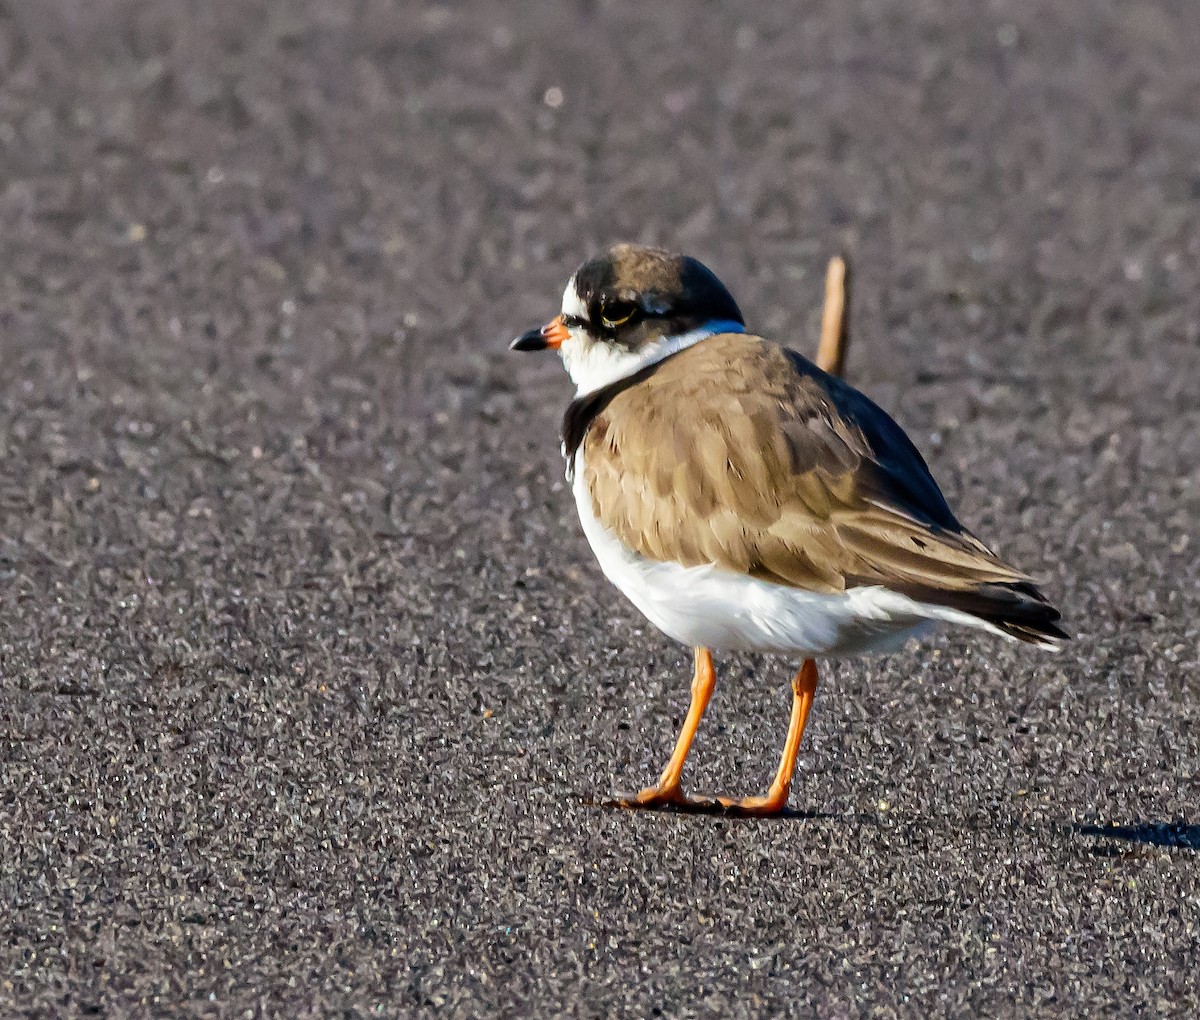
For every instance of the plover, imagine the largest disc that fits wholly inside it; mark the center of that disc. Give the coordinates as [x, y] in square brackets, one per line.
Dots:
[745, 500]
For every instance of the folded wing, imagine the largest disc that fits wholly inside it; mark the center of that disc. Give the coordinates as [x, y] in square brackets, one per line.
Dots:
[742, 454]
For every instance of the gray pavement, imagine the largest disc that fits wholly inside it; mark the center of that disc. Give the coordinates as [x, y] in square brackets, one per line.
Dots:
[307, 677]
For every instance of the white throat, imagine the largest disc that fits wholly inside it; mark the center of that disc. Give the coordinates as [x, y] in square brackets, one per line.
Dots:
[592, 364]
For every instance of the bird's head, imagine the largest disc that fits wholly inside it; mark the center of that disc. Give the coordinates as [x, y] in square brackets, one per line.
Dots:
[629, 308]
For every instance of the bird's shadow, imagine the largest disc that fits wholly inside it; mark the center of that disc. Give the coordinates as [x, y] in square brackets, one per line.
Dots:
[1177, 835]
[1170, 835]
[703, 805]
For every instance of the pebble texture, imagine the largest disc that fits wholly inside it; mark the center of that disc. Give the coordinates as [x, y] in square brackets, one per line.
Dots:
[307, 677]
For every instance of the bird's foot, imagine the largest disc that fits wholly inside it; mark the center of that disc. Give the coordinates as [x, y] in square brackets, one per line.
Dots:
[768, 805]
[672, 798]
[654, 798]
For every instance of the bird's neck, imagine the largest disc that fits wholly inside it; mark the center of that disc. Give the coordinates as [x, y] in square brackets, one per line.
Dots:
[594, 364]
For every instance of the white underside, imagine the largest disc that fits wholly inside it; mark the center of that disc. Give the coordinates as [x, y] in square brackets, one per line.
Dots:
[718, 609]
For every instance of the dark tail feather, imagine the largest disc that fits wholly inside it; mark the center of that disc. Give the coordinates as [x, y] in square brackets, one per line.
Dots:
[1019, 610]
[1046, 633]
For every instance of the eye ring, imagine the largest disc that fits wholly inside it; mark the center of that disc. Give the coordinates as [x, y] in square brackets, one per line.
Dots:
[617, 313]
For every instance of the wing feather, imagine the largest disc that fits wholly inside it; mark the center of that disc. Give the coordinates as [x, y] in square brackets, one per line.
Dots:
[742, 454]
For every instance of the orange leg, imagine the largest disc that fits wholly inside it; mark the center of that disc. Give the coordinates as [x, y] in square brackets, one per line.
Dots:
[669, 788]
[804, 689]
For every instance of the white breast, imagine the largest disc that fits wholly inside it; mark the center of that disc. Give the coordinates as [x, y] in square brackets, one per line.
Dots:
[719, 609]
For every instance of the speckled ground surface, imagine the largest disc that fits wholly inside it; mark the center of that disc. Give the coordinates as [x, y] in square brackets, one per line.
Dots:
[306, 674]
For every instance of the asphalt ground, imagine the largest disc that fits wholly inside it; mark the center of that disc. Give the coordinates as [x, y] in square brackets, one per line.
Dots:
[308, 682]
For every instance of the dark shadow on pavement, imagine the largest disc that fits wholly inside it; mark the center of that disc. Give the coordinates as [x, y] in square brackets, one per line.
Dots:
[1174, 835]
[1169, 835]
[706, 805]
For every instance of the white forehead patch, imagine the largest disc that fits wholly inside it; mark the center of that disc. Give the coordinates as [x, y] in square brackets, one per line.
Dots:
[571, 305]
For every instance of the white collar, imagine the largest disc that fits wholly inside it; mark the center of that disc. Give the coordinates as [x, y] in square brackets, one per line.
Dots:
[593, 364]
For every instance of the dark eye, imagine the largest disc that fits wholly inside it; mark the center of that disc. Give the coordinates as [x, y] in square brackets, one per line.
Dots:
[617, 313]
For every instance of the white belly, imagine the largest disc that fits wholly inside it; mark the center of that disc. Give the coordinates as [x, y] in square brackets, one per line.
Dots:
[716, 608]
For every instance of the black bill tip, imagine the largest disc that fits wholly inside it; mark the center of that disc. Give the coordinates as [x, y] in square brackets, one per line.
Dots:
[533, 340]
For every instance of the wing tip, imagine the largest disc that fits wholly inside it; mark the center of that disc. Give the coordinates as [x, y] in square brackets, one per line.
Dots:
[1046, 635]
[1014, 610]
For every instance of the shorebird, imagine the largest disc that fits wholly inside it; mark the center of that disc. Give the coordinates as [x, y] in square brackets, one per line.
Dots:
[745, 500]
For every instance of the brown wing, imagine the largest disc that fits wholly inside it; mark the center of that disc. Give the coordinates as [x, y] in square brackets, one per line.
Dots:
[743, 454]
